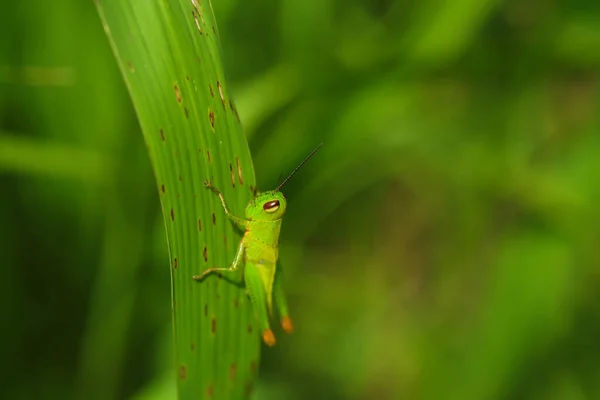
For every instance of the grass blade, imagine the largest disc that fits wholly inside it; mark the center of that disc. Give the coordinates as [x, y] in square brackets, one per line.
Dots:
[169, 54]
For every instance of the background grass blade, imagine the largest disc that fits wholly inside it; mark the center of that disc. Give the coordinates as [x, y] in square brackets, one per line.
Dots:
[169, 55]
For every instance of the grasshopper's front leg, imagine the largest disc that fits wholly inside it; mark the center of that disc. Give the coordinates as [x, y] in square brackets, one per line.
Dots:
[241, 222]
[239, 256]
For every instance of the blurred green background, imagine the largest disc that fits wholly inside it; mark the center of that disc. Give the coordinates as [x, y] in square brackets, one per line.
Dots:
[442, 245]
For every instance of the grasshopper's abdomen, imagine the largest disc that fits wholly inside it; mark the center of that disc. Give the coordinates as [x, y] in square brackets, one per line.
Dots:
[261, 258]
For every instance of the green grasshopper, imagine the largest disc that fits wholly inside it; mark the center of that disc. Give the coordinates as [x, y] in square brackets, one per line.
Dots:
[258, 253]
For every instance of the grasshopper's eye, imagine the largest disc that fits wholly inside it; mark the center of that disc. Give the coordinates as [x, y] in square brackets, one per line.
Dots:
[271, 206]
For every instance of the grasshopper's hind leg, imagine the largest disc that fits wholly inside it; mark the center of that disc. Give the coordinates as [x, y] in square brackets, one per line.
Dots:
[281, 302]
[258, 297]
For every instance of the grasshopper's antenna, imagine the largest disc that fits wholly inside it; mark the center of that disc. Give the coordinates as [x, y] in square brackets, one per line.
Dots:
[312, 153]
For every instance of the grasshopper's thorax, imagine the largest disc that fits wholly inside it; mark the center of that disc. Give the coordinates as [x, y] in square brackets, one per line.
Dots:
[265, 232]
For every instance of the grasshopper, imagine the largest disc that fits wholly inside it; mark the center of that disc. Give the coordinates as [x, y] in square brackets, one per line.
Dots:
[258, 253]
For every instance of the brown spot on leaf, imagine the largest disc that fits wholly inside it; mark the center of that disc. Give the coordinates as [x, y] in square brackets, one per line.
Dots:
[206, 310]
[183, 372]
[187, 77]
[211, 91]
[162, 135]
[177, 93]
[234, 110]
[186, 112]
[193, 346]
[205, 254]
[213, 325]
[232, 175]
[175, 263]
[196, 21]
[221, 94]
[180, 178]
[232, 371]
[210, 391]
[162, 188]
[208, 155]
[239, 171]
[196, 8]
[214, 218]
[211, 118]
[214, 30]
[248, 389]
[199, 225]
[236, 302]
[172, 215]
[249, 328]
[130, 66]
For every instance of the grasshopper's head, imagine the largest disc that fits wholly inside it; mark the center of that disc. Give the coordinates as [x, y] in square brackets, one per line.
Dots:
[271, 205]
[267, 206]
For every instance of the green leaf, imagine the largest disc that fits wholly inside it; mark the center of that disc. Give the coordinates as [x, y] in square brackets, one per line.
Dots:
[169, 55]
